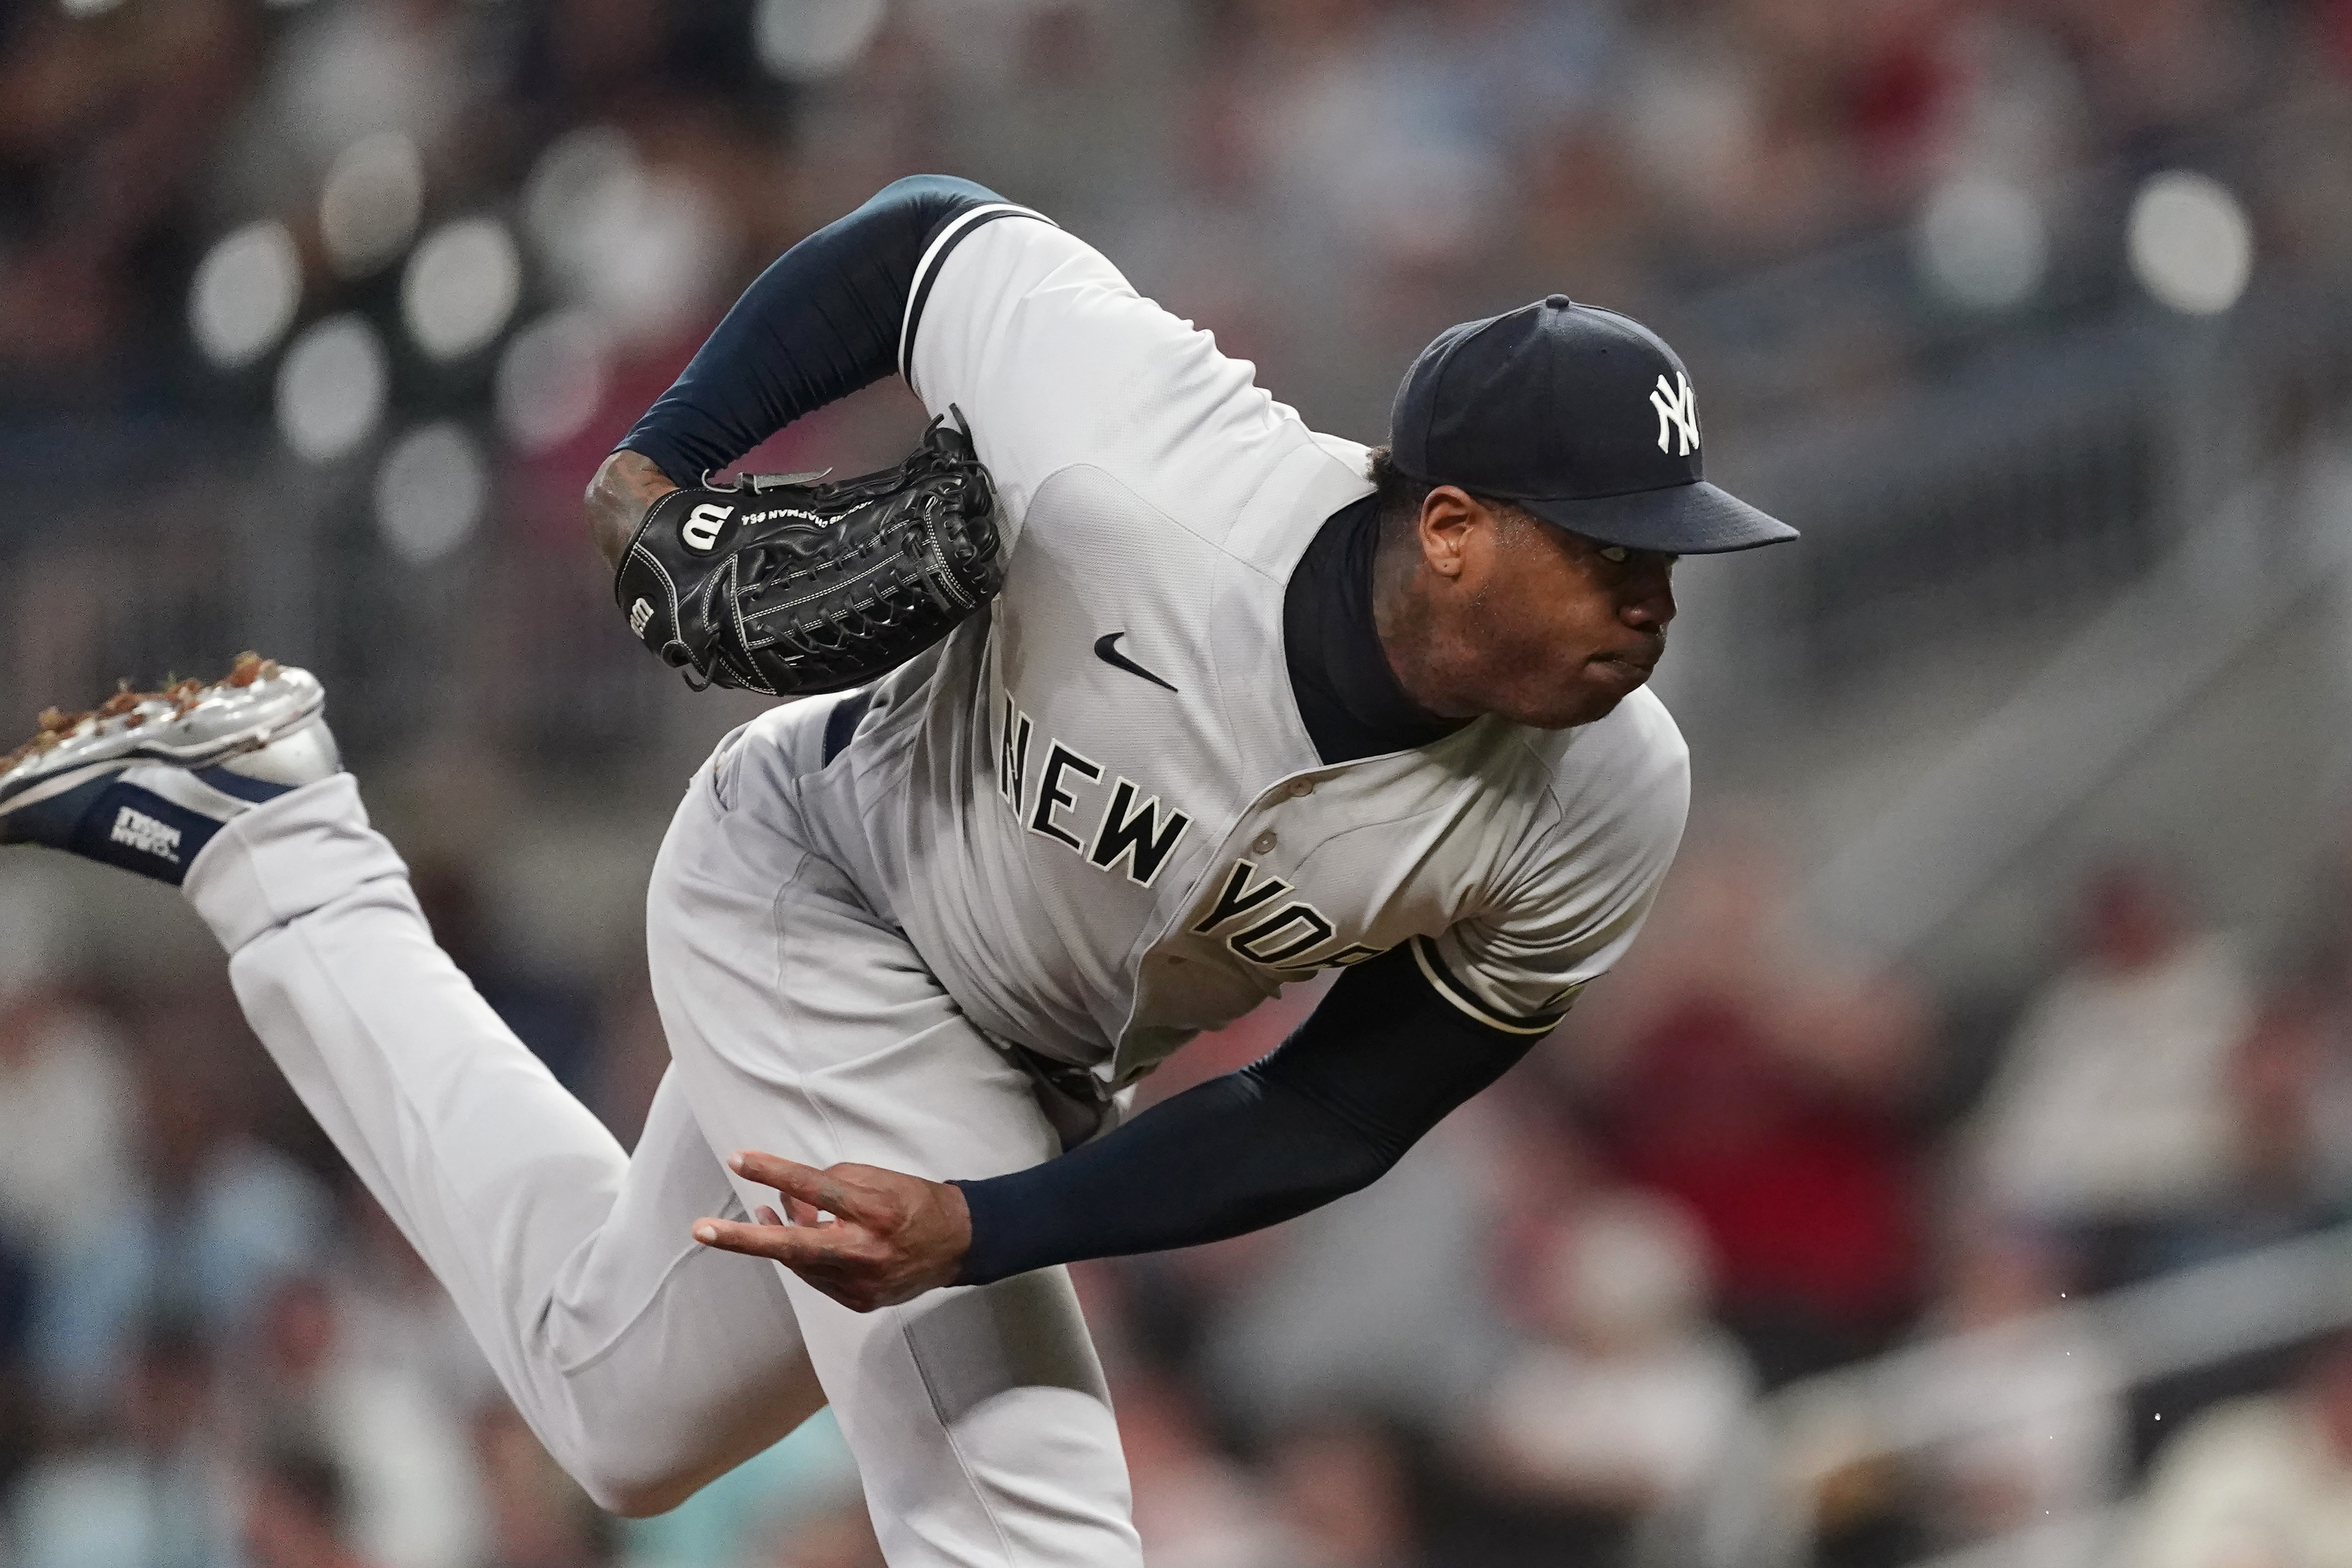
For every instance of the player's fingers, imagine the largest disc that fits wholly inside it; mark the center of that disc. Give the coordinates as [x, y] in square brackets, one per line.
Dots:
[804, 1213]
[767, 1216]
[728, 1236]
[796, 1247]
[849, 1272]
[788, 1177]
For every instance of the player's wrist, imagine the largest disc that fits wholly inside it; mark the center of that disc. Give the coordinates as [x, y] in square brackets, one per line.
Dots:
[955, 1246]
[625, 486]
[975, 1263]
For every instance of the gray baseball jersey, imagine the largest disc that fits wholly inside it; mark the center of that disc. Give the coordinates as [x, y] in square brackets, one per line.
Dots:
[1095, 819]
[1095, 810]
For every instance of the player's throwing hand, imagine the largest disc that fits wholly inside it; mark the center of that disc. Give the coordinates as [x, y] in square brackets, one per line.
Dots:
[867, 1236]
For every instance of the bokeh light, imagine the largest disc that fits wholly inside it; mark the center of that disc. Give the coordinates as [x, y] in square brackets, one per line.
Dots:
[641, 249]
[1980, 243]
[373, 198]
[808, 40]
[429, 492]
[461, 287]
[566, 183]
[244, 293]
[2190, 244]
[331, 390]
[551, 380]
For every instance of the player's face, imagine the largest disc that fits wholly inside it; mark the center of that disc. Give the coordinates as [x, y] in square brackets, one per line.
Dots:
[1534, 624]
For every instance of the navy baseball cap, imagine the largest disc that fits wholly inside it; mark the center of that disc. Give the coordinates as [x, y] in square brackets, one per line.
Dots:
[1579, 414]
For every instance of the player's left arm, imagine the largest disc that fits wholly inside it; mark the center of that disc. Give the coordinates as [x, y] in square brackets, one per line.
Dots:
[1386, 1057]
[1397, 1044]
[1383, 1060]
[1400, 1041]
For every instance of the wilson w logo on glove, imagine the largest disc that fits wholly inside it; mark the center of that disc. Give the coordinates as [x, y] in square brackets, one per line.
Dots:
[785, 585]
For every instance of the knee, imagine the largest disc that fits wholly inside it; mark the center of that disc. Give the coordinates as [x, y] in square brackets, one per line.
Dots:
[633, 1485]
[623, 1466]
[642, 1504]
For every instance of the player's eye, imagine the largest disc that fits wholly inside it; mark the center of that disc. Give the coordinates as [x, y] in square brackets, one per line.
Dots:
[1613, 554]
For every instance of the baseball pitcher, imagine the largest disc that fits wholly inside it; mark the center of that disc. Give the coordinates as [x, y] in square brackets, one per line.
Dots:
[1144, 701]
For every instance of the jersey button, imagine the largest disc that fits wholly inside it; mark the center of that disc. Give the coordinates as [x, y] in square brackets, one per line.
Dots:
[1301, 786]
[1263, 842]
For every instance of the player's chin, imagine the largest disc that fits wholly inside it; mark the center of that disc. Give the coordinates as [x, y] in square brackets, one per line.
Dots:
[1598, 686]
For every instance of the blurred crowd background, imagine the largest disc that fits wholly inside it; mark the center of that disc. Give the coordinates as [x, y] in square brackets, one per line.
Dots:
[1955, 1172]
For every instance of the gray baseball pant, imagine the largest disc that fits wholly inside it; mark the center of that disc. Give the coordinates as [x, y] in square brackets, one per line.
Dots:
[799, 1023]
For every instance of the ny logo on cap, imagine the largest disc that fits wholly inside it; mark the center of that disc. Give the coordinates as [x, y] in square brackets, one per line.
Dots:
[1678, 411]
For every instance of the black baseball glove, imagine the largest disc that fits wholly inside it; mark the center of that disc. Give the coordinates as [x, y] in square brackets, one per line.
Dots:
[782, 585]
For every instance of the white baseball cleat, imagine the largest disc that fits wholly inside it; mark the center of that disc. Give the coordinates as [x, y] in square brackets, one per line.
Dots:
[144, 781]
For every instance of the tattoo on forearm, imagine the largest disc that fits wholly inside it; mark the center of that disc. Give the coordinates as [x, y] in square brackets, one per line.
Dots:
[626, 484]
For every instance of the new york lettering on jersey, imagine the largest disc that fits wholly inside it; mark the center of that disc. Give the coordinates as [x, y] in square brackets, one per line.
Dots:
[1057, 792]
[1165, 847]
[1258, 918]
[1131, 832]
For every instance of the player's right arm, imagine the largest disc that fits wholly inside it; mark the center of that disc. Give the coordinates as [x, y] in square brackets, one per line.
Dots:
[627, 483]
[985, 306]
[826, 318]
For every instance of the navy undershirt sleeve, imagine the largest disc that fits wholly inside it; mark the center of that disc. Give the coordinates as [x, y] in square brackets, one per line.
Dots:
[1381, 1062]
[820, 323]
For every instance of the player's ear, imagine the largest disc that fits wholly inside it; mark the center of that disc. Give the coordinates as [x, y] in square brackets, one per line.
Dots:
[1448, 515]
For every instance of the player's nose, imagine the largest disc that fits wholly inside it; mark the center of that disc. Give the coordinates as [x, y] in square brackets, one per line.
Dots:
[1646, 599]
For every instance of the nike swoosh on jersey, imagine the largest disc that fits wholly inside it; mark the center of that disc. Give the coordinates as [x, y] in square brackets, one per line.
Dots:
[1119, 661]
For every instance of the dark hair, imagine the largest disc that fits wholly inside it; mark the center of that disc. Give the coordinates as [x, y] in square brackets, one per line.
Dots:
[1398, 496]
[1397, 490]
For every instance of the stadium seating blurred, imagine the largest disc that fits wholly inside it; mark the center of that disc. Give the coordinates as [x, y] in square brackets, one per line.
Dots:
[1955, 1172]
